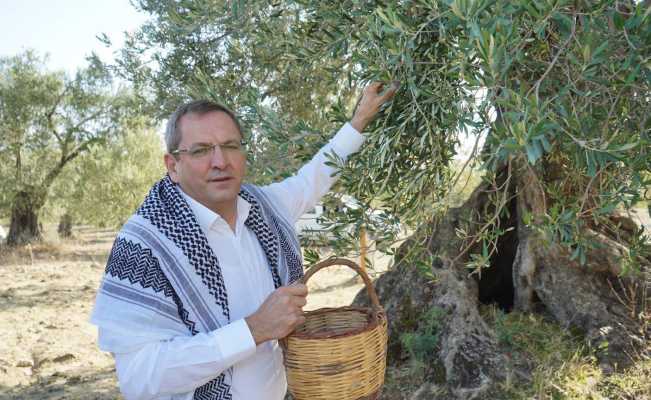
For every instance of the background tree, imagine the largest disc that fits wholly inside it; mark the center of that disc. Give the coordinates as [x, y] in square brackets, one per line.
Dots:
[555, 95]
[107, 184]
[47, 119]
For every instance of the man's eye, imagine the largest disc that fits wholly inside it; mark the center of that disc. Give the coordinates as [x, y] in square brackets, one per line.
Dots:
[230, 146]
[199, 151]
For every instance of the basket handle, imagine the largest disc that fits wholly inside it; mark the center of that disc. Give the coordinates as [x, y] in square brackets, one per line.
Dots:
[342, 261]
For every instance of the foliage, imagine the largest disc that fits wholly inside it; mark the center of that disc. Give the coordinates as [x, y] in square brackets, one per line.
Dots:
[558, 89]
[106, 185]
[421, 344]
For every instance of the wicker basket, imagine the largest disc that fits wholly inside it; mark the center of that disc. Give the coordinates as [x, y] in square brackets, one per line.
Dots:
[338, 353]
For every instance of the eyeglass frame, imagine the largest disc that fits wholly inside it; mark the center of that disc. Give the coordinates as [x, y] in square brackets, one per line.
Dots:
[178, 152]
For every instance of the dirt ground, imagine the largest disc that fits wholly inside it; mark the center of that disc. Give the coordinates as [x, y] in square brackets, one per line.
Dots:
[48, 350]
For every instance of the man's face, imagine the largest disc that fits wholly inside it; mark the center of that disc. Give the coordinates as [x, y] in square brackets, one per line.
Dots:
[213, 180]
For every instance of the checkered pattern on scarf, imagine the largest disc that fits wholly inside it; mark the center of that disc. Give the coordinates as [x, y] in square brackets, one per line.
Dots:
[267, 227]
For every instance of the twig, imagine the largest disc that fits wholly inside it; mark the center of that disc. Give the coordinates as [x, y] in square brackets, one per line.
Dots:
[470, 157]
[558, 54]
[587, 189]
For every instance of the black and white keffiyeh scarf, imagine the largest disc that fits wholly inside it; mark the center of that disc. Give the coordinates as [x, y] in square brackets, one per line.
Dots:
[162, 276]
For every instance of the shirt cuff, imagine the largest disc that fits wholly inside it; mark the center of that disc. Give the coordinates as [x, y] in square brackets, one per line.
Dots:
[347, 141]
[234, 341]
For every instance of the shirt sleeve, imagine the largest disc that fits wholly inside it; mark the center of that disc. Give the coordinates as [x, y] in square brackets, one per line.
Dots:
[302, 191]
[181, 364]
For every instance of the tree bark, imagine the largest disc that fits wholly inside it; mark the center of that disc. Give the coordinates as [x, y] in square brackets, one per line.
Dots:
[24, 226]
[527, 274]
[65, 226]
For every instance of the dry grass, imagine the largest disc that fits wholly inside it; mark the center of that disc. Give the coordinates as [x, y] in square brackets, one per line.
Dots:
[561, 366]
[558, 364]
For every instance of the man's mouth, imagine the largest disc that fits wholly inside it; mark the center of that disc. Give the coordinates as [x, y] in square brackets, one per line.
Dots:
[221, 179]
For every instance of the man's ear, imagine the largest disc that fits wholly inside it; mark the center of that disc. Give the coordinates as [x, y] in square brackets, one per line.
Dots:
[170, 164]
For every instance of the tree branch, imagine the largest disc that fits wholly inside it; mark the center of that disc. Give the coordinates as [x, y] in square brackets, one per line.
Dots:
[50, 114]
[76, 128]
[89, 118]
[65, 159]
[19, 165]
[558, 54]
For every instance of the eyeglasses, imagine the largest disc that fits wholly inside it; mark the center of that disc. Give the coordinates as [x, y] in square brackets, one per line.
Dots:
[202, 151]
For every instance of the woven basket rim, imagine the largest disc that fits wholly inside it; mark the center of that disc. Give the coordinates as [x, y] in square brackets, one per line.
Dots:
[372, 312]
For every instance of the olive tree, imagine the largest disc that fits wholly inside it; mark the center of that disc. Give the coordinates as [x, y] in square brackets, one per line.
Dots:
[555, 96]
[47, 119]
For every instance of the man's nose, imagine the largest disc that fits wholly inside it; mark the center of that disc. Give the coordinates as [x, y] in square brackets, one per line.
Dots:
[218, 159]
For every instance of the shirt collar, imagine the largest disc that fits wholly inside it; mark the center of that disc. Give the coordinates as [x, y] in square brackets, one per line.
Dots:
[208, 219]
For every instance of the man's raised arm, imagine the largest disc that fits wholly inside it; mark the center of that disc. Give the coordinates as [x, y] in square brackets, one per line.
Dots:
[302, 191]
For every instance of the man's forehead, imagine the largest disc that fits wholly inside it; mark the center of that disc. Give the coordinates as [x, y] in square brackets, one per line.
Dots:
[211, 125]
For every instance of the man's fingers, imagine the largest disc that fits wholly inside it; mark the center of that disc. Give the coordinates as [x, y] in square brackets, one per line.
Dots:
[297, 289]
[299, 301]
[391, 90]
[389, 93]
[374, 87]
[299, 320]
[374, 91]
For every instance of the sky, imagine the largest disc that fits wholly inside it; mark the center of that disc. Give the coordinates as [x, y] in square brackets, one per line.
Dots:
[66, 29]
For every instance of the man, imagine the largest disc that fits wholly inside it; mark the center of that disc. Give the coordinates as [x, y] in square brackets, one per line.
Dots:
[200, 281]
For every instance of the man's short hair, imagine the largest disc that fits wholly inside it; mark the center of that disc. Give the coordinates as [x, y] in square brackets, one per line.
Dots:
[200, 107]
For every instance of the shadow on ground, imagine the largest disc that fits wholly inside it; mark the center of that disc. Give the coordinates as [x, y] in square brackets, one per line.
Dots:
[78, 385]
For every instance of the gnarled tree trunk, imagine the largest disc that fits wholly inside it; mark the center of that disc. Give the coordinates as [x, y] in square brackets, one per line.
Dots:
[526, 274]
[65, 226]
[24, 226]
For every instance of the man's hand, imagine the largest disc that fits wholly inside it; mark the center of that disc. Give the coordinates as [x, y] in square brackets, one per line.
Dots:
[280, 313]
[370, 104]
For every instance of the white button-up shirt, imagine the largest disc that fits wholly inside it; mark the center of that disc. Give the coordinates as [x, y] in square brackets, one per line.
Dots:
[172, 369]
